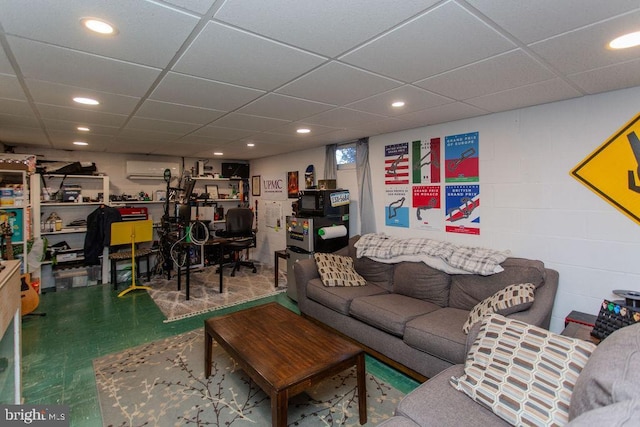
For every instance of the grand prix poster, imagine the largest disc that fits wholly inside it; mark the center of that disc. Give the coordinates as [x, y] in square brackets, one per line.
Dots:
[396, 179]
[462, 157]
[463, 209]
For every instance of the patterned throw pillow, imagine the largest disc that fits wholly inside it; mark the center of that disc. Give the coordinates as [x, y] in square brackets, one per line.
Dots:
[512, 299]
[337, 270]
[523, 373]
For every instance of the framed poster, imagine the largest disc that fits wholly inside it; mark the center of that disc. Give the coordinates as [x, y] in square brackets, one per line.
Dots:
[255, 185]
[292, 185]
[212, 190]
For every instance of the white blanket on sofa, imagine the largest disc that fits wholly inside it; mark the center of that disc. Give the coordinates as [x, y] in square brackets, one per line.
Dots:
[445, 256]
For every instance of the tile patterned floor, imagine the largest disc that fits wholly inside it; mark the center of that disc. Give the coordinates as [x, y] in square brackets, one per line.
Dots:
[84, 323]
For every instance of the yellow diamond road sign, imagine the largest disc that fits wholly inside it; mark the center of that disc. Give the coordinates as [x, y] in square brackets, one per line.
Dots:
[612, 171]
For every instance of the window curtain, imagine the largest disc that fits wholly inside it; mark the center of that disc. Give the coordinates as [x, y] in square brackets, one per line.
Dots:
[330, 164]
[365, 191]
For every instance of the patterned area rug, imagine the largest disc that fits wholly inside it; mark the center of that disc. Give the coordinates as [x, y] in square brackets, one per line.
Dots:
[163, 384]
[204, 291]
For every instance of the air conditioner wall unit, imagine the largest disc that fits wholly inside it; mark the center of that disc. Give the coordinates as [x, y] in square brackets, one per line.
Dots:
[136, 169]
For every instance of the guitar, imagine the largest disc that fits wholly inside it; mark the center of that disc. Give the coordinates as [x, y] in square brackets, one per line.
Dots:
[30, 298]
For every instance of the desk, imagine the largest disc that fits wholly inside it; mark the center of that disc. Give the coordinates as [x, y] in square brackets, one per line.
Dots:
[221, 242]
[10, 307]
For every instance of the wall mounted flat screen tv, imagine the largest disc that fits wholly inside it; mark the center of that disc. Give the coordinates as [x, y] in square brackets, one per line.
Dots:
[235, 170]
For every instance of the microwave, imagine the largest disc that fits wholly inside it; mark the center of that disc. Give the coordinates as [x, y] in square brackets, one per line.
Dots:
[323, 203]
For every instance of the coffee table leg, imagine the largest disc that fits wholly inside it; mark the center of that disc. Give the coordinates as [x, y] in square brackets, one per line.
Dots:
[208, 343]
[279, 408]
[362, 389]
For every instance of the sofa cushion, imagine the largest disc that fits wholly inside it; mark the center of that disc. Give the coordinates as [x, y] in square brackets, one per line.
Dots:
[337, 270]
[439, 333]
[612, 373]
[523, 373]
[468, 290]
[389, 312]
[378, 273]
[512, 299]
[418, 280]
[339, 298]
[436, 403]
[621, 414]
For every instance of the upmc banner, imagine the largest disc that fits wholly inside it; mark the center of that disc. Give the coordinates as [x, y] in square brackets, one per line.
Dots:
[34, 415]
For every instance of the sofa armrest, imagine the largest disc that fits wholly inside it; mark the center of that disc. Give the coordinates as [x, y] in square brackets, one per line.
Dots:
[304, 270]
[539, 313]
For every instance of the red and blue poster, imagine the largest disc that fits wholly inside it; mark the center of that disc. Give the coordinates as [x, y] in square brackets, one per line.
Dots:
[462, 157]
[463, 209]
[396, 164]
[426, 207]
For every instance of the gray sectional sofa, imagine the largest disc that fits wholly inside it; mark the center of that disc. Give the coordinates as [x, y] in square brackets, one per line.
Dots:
[605, 393]
[410, 315]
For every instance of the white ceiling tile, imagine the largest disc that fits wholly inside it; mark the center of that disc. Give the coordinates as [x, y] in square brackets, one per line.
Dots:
[214, 55]
[291, 128]
[11, 120]
[199, 6]
[337, 83]
[176, 112]
[50, 63]
[66, 126]
[81, 116]
[10, 88]
[415, 99]
[142, 123]
[23, 135]
[495, 74]
[328, 27]
[5, 65]
[532, 21]
[62, 95]
[198, 92]
[283, 107]
[538, 93]
[245, 121]
[586, 49]
[66, 139]
[149, 135]
[385, 126]
[443, 113]
[217, 132]
[613, 77]
[16, 107]
[408, 53]
[149, 33]
[342, 117]
[196, 139]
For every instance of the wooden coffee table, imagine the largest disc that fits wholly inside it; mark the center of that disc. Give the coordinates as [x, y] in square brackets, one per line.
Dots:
[283, 353]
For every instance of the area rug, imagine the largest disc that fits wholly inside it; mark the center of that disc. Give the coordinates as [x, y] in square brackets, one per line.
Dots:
[204, 291]
[162, 384]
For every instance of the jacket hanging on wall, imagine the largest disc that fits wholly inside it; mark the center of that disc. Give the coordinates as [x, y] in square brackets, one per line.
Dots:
[99, 233]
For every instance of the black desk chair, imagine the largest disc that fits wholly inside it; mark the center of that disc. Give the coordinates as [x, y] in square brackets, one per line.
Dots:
[239, 228]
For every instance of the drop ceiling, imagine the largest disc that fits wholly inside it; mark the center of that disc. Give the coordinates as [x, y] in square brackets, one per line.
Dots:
[194, 77]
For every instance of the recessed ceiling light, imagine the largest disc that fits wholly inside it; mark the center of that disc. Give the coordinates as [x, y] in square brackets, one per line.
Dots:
[80, 143]
[218, 153]
[303, 130]
[83, 129]
[99, 26]
[626, 41]
[251, 144]
[398, 104]
[86, 101]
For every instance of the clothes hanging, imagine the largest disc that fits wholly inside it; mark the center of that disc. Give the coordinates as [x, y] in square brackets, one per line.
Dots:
[99, 232]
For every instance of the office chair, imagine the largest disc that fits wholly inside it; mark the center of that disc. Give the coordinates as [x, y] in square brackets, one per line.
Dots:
[239, 225]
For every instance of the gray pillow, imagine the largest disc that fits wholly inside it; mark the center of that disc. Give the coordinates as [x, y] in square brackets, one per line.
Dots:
[611, 375]
[621, 414]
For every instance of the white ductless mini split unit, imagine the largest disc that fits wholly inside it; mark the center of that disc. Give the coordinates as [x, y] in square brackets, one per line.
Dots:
[150, 170]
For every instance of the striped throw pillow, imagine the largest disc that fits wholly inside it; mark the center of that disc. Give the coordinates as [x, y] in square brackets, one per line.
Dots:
[523, 373]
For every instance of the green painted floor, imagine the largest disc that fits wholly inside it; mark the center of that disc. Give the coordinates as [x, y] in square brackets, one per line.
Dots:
[82, 324]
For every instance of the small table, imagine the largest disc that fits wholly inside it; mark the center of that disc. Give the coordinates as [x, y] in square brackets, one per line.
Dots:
[283, 353]
[276, 257]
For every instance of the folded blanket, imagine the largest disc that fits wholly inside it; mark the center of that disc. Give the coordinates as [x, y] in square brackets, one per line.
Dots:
[472, 260]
